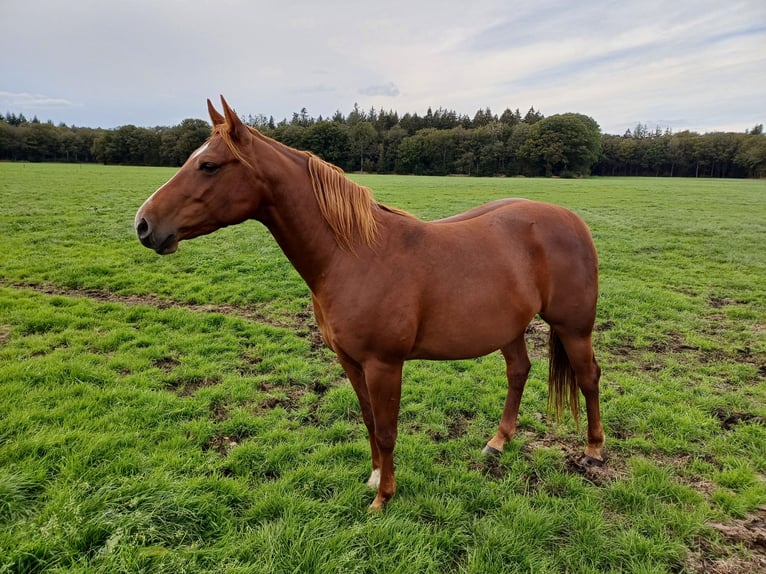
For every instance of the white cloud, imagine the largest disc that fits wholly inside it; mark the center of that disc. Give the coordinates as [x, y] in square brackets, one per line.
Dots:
[13, 100]
[389, 89]
[155, 61]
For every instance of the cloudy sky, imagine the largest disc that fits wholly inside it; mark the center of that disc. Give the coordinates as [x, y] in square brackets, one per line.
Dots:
[679, 64]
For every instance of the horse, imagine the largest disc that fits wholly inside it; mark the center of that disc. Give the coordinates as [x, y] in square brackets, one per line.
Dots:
[387, 287]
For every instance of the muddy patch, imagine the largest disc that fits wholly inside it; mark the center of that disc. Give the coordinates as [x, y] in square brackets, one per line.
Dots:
[672, 343]
[748, 533]
[166, 364]
[536, 335]
[219, 411]
[457, 426]
[719, 302]
[221, 444]
[575, 461]
[187, 386]
[488, 466]
[306, 327]
[249, 365]
[291, 400]
[730, 419]
[149, 300]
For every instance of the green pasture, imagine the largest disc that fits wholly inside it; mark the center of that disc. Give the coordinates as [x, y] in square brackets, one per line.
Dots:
[178, 414]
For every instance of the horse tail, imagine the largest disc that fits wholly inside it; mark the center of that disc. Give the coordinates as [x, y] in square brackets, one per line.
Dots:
[562, 387]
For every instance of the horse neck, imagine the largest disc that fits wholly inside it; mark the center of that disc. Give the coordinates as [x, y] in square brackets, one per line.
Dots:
[293, 217]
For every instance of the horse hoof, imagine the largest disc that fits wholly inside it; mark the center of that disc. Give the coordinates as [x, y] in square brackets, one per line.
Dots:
[490, 451]
[377, 506]
[589, 462]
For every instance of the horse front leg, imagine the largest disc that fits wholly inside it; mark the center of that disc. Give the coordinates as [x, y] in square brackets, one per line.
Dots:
[384, 387]
[355, 375]
[517, 367]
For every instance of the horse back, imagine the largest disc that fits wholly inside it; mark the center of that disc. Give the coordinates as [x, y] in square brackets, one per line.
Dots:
[538, 251]
[481, 210]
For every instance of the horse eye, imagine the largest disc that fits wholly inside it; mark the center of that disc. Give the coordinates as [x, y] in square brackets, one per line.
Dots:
[208, 167]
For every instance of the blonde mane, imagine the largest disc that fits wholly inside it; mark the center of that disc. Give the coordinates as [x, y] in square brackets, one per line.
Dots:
[347, 207]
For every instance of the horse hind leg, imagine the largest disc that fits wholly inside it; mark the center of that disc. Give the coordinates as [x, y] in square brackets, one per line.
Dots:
[517, 370]
[578, 352]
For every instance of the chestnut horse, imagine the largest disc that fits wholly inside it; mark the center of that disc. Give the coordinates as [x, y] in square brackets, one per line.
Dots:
[388, 287]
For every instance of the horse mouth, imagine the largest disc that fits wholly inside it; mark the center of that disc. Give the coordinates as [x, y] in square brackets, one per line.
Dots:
[170, 245]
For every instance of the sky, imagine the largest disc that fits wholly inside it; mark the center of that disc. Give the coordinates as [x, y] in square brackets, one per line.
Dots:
[696, 65]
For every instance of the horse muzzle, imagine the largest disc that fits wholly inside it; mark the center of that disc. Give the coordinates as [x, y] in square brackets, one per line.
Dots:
[162, 242]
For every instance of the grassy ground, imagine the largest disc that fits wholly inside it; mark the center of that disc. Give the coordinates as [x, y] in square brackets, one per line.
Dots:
[179, 414]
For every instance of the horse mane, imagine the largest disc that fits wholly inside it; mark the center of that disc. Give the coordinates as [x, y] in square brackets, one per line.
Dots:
[347, 207]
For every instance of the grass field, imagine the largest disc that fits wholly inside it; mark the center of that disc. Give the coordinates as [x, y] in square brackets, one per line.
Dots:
[178, 414]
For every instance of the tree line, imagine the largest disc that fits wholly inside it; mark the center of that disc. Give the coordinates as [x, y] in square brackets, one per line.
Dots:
[440, 142]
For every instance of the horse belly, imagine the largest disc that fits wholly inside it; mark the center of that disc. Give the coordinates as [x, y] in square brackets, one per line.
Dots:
[482, 291]
[472, 325]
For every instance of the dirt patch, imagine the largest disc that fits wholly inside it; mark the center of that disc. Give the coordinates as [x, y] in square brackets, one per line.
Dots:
[186, 387]
[219, 411]
[307, 328]
[457, 426]
[731, 419]
[673, 343]
[488, 466]
[249, 365]
[274, 402]
[166, 364]
[319, 388]
[536, 335]
[748, 533]
[592, 471]
[575, 461]
[719, 302]
[602, 326]
[220, 444]
[289, 397]
[104, 296]
[5, 333]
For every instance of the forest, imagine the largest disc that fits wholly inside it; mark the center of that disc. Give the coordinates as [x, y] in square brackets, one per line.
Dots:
[440, 142]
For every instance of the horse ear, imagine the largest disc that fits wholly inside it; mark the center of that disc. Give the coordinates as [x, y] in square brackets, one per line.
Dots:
[232, 119]
[215, 117]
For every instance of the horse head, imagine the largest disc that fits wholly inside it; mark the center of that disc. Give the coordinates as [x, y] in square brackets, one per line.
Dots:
[216, 187]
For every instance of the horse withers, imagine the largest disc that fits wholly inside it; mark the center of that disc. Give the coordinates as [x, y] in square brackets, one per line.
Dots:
[387, 287]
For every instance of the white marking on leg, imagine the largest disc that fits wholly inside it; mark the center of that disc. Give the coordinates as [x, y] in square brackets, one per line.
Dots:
[374, 481]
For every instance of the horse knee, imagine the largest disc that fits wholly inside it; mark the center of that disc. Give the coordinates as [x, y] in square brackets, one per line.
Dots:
[386, 440]
[588, 380]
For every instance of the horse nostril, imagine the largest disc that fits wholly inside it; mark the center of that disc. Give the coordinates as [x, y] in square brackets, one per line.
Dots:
[142, 229]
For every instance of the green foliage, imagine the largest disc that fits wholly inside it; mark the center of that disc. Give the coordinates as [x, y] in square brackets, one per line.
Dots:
[685, 154]
[174, 414]
[565, 144]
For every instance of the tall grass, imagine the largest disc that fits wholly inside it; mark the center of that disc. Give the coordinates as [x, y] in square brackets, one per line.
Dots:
[177, 414]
